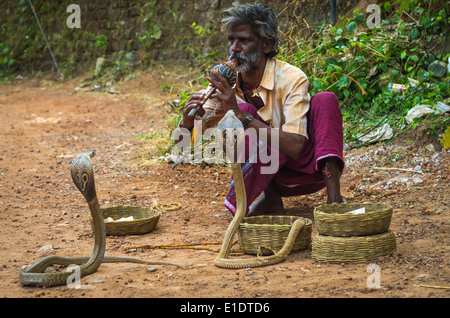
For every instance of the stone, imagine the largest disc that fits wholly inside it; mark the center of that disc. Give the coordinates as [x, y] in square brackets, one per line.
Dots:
[101, 65]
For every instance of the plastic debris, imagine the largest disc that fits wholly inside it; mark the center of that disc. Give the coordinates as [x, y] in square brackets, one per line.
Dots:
[358, 211]
[381, 133]
[442, 108]
[418, 111]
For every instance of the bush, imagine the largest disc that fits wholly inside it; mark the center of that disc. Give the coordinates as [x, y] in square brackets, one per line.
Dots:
[357, 63]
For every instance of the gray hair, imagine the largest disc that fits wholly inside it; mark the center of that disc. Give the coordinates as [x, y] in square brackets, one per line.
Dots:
[260, 16]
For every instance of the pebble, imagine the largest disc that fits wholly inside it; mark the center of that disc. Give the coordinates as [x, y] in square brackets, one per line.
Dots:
[430, 148]
[424, 276]
[46, 249]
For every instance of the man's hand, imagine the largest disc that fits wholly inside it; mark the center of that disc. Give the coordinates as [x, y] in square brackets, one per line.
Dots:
[225, 94]
[192, 103]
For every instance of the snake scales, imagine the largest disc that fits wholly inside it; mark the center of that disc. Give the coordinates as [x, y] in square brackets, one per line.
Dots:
[83, 177]
[230, 123]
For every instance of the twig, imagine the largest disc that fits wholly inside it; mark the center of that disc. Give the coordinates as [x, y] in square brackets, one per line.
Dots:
[192, 246]
[400, 169]
[431, 286]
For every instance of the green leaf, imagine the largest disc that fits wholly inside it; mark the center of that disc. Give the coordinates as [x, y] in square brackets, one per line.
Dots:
[403, 55]
[414, 34]
[387, 6]
[414, 58]
[343, 81]
[346, 93]
[426, 22]
[359, 17]
[337, 68]
[446, 139]
[317, 83]
[351, 27]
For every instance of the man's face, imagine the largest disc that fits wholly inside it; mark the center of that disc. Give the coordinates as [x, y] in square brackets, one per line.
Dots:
[247, 46]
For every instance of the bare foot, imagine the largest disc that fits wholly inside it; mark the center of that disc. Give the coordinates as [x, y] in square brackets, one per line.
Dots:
[331, 175]
[269, 202]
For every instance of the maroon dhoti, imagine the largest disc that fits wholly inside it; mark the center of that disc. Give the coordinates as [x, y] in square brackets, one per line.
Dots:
[295, 176]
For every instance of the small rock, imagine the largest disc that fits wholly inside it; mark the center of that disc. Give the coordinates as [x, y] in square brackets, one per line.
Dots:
[96, 281]
[430, 148]
[424, 276]
[151, 269]
[101, 65]
[417, 180]
[46, 249]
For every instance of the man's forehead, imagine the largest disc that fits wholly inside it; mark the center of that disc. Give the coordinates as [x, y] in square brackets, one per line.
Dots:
[241, 29]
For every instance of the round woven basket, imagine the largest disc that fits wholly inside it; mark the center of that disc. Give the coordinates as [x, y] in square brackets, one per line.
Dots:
[145, 220]
[335, 219]
[355, 249]
[271, 231]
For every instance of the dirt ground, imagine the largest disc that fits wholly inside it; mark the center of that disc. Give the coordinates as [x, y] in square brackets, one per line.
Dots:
[44, 124]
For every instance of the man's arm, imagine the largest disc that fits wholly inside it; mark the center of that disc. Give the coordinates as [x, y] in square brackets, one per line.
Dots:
[289, 143]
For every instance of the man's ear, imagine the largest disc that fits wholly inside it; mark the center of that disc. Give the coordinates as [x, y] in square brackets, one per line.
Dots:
[267, 46]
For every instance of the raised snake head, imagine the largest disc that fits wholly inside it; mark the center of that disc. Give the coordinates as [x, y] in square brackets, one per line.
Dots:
[231, 130]
[83, 175]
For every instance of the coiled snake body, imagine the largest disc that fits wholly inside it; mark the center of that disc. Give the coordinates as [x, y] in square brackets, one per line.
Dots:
[230, 123]
[83, 177]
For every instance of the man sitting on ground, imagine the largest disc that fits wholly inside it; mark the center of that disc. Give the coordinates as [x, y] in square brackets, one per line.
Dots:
[273, 95]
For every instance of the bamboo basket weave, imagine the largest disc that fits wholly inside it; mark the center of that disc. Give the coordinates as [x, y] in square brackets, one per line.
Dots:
[145, 220]
[334, 219]
[271, 231]
[355, 249]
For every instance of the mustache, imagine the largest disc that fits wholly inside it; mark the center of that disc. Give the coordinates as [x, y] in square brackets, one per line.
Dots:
[239, 57]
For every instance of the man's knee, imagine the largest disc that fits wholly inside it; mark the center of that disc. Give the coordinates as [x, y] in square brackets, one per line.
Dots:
[324, 99]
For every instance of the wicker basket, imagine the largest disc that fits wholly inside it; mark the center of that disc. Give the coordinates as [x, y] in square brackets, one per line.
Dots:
[145, 220]
[335, 219]
[355, 249]
[272, 232]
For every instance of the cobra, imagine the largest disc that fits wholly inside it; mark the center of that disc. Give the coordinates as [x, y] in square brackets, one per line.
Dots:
[83, 177]
[231, 124]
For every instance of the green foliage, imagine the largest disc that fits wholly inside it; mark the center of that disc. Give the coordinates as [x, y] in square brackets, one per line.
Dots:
[356, 63]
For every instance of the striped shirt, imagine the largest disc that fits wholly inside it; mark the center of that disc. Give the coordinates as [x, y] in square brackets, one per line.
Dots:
[284, 91]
